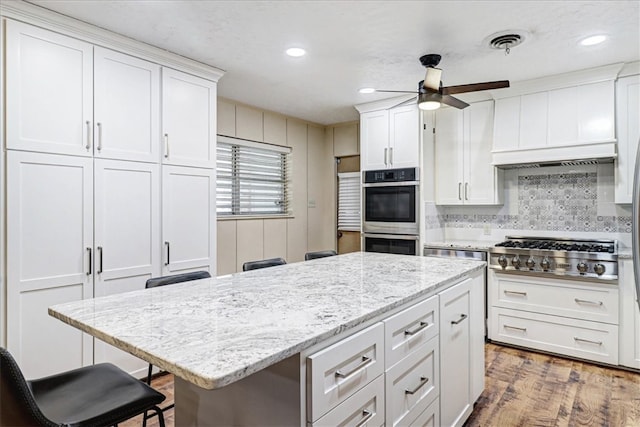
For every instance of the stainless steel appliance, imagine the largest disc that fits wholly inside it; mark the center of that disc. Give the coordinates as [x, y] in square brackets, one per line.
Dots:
[635, 226]
[589, 260]
[391, 201]
[391, 243]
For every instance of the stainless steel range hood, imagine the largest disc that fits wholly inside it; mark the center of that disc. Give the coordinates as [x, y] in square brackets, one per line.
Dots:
[586, 154]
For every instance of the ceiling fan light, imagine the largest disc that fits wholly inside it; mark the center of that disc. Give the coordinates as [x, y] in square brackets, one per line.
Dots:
[429, 105]
[429, 101]
[367, 90]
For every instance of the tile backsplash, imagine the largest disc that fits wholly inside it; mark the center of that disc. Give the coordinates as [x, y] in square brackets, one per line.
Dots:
[550, 199]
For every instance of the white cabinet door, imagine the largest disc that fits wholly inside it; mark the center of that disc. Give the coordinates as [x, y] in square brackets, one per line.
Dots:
[507, 124]
[49, 257]
[455, 354]
[374, 137]
[127, 238]
[628, 132]
[49, 84]
[629, 317]
[188, 219]
[480, 175]
[127, 107]
[404, 147]
[449, 158]
[188, 120]
[533, 121]
[596, 119]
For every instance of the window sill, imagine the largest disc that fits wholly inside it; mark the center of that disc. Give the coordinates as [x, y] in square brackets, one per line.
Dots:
[241, 217]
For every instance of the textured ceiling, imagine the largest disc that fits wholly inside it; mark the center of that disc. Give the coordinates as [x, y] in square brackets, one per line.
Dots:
[354, 44]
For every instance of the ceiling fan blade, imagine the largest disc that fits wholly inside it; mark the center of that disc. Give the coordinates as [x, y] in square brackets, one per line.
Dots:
[453, 102]
[474, 87]
[432, 79]
[396, 91]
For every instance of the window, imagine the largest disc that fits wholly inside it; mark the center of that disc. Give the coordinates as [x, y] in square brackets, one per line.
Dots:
[252, 178]
[349, 201]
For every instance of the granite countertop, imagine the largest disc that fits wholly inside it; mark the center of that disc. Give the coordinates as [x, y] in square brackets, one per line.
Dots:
[478, 245]
[212, 332]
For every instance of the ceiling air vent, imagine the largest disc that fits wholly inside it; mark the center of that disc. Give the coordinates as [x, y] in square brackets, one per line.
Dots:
[506, 40]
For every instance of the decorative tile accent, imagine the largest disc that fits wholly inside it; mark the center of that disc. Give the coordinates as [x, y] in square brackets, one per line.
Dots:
[556, 202]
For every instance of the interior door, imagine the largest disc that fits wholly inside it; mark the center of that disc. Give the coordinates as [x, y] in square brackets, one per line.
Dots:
[49, 258]
[349, 239]
[127, 238]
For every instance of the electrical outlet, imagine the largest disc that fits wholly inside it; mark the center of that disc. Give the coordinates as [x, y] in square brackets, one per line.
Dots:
[487, 229]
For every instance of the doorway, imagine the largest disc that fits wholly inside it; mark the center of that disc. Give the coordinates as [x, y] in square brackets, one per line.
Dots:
[348, 204]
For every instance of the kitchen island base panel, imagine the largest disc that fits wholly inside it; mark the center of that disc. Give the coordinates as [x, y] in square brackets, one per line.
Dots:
[271, 397]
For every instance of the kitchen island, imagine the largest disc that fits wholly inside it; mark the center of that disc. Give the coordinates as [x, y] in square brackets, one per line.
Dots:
[243, 347]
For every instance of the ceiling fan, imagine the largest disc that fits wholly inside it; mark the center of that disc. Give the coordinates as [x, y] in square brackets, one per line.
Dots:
[431, 93]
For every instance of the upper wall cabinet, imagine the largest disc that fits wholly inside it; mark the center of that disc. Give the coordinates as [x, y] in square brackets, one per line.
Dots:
[390, 138]
[628, 131]
[188, 120]
[464, 174]
[49, 91]
[561, 124]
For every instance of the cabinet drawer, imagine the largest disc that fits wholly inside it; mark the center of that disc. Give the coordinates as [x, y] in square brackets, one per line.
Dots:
[338, 371]
[364, 408]
[412, 384]
[409, 329]
[595, 302]
[578, 338]
[430, 417]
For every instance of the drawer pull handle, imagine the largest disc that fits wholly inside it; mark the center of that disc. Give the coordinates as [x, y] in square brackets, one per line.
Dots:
[367, 416]
[516, 328]
[418, 329]
[584, 301]
[588, 341]
[423, 381]
[462, 317]
[365, 361]
[524, 294]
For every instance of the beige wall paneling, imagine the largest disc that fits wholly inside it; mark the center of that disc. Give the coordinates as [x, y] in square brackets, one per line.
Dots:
[226, 239]
[249, 123]
[275, 128]
[275, 238]
[330, 211]
[226, 118]
[250, 241]
[320, 177]
[297, 226]
[345, 139]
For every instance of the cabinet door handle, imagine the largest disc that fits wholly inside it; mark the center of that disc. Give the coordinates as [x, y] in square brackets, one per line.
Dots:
[584, 301]
[418, 329]
[166, 244]
[99, 136]
[390, 156]
[99, 249]
[587, 341]
[90, 262]
[365, 362]
[459, 191]
[462, 317]
[385, 156]
[88, 136]
[166, 145]
[524, 294]
[423, 381]
[466, 191]
[367, 416]
[516, 328]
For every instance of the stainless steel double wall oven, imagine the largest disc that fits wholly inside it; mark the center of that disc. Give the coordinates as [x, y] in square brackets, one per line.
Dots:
[391, 222]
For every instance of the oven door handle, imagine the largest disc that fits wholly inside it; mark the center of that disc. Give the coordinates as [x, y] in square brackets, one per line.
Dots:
[392, 236]
[391, 184]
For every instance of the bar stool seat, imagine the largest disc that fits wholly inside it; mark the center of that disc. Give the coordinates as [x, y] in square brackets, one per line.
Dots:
[319, 254]
[263, 263]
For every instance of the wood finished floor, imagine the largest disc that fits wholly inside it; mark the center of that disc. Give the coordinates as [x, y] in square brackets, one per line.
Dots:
[530, 389]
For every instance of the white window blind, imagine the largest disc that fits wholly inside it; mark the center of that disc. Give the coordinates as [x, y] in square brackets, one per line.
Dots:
[252, 178]
[349, 201]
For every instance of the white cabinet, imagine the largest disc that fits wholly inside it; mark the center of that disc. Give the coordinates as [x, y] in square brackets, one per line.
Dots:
[464, 174]
[390, 138]
[49, 84]
[628, 132]
[629, 316]
[456, 353]
[188, 219]
[556, 125]
[127, 238]
[126, 107]
[49, 258]
[188, 120]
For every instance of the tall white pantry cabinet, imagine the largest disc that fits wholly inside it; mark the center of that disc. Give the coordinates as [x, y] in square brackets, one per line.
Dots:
[110, 180]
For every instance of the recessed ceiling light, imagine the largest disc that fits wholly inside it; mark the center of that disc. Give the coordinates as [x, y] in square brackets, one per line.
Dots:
[590, 41]
[367, 90]
[296, 51]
